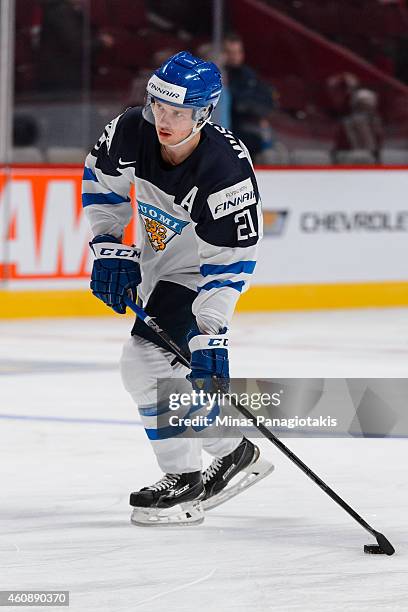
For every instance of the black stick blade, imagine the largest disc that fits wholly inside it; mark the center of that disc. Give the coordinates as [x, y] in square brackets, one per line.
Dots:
[373, 549]
[384, 544]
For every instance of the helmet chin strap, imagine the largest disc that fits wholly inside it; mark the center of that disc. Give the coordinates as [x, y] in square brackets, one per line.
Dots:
[194, 131]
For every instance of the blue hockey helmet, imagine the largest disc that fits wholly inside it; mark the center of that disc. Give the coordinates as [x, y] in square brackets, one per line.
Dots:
[185, 81]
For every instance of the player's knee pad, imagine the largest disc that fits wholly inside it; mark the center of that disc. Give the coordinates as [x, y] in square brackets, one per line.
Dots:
[151, 377]
[141, 365]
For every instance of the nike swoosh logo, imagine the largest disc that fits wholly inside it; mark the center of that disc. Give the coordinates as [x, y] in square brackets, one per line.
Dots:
[126, 163]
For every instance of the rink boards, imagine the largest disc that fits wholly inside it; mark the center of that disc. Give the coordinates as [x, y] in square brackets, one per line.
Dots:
[333, 238]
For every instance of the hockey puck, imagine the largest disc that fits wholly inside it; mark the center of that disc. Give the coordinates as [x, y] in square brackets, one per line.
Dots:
[373, 549]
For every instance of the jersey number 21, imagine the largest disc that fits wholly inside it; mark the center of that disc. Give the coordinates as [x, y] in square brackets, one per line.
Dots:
[245, 229]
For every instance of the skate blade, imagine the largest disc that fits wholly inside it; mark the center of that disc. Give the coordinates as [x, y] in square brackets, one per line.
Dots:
[189, 513]
[253, 473]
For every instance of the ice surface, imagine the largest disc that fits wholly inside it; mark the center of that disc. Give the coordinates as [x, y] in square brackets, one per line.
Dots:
[72, 448]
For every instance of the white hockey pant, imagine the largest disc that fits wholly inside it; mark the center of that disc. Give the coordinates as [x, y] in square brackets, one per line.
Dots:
[142, 363]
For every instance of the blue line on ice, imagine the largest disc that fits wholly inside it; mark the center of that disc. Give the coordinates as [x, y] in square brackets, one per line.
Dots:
[25, 417]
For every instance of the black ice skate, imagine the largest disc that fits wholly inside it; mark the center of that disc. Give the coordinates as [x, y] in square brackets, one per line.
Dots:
[244, 461]
[174, 500]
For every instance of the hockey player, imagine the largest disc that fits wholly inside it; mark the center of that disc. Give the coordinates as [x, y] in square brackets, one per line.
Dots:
[199, 222]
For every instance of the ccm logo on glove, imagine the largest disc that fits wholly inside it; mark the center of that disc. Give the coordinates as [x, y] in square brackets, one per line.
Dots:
[200, 342]
[115, 272]
[209, 361]
[218, 342]
[104, 250]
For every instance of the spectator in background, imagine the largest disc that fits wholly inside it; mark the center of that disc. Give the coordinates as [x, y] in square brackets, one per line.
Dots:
[252, 100]
[25, 130]
[63, 44]
[341, 89]
[222, 113]
[361, 129]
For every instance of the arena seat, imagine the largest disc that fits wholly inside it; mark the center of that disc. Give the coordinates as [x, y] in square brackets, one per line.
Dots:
[390, 157]
[273, 157]
[27, 155]
[358, 156]
[66, 155]
[313, 157]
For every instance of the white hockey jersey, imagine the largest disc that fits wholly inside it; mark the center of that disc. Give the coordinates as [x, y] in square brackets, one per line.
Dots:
[199, 222]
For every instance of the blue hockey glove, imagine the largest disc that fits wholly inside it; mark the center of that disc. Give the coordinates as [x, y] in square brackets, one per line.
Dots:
[115, 272]
[209, 361]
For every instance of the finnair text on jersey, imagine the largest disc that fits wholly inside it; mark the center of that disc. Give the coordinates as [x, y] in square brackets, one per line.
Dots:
[232, 199]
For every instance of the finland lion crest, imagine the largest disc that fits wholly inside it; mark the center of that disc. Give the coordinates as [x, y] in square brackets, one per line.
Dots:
[160, 226]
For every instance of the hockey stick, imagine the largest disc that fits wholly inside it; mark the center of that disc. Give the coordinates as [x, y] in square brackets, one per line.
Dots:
[384, 546]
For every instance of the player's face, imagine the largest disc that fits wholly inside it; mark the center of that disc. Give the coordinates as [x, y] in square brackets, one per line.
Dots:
[172, 124]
